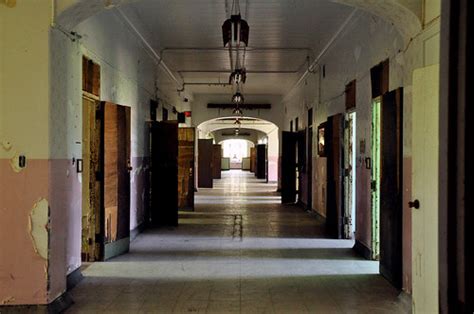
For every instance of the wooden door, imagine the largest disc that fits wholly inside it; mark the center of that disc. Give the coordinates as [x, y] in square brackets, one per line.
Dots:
[335, 170]
[164, 173]
[261, 155]
[302, 175]
[349, 175]
[288, 167]
[186, 168]
[116, 171]
[309, 170]
[253, 159]
[391, 180]
[425, 189]
[205, 148]
[92, 228]
[216, 161]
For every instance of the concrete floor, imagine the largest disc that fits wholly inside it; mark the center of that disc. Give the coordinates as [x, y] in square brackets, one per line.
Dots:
[240, 251]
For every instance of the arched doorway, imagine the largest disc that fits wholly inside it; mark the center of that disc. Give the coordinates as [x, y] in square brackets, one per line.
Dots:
[258, 131]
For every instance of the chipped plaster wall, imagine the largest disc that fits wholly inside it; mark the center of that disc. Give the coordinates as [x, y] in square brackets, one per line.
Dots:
[127, 78]
[24, 110]
[351, 57]
[366, 41]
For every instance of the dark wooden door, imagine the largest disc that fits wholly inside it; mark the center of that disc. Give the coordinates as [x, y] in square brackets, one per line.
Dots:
[116, 170]
[253, 159]
[261, 156]
[164, 173]
[309, 169]
[205, 148]
[186, 168]
[391, 188]
[288, 167]
[301, 164]
[335, 169]
[216, 161]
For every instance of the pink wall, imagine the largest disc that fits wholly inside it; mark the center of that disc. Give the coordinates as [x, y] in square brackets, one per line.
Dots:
[65, 197]
[363, 210]
[273, 162]
[319, 185]
[139, 189]
[23, 272]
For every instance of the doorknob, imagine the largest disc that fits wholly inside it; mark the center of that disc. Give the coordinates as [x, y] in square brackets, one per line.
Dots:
[415, 204]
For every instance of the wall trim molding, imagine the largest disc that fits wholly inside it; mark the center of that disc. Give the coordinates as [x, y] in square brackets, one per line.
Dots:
[74, 278]
[136, 231]
[59, 305]
[362, 250]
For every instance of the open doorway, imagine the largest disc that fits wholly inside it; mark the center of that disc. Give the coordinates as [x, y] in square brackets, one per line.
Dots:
[350, 175]
[261, 157]
[236, 152]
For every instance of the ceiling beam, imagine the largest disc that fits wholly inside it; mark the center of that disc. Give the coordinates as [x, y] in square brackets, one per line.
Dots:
[247, 71]
[248, 49]
[241, 106]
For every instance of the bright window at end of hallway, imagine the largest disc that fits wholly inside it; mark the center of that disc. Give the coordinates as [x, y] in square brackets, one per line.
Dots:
[236, 149]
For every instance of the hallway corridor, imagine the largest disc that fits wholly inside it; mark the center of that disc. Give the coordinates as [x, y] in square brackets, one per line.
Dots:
[240, 251]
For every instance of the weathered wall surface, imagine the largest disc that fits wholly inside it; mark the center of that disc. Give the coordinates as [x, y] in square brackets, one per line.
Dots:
[127, 78]
[367, 41]
[24, 110]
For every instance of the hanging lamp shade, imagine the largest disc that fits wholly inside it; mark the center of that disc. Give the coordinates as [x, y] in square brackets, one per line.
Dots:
[238, 76]
[238, 98]
[235, 31]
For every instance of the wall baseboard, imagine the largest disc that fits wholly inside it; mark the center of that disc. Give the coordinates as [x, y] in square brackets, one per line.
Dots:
[362, 250]
[406, 301]
[59, 305]
[74, 278]
[135, 232]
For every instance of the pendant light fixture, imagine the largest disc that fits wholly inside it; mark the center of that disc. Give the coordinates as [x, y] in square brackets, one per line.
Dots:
[238, 76]
[238, 98]
[235, 31]
[235, 35]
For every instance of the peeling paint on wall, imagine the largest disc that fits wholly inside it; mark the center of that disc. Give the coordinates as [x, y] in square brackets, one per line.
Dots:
[14, 163]
[39, 226]
[8, 300]
[7, 145]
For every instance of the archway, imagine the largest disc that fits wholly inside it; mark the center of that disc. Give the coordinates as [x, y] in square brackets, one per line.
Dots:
[264, 132]
[405, 15]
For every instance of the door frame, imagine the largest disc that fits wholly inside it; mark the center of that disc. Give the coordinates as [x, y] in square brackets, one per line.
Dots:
[350, 160]
[456, 287]
[375, 159]
[288, 167]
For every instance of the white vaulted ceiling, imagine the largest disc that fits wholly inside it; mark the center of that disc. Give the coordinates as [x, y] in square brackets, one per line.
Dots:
[187, 35]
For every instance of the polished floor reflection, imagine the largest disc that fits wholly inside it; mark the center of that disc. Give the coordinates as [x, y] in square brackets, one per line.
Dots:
[241, 251]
